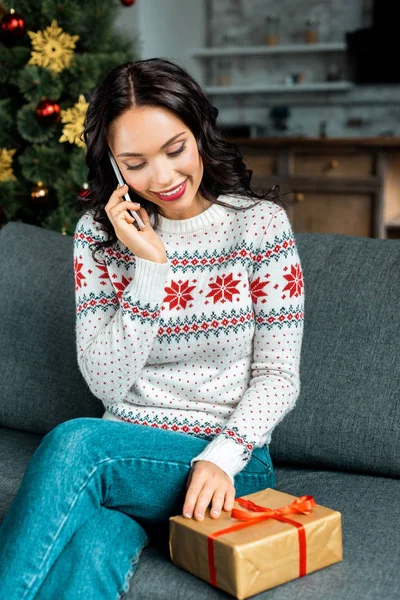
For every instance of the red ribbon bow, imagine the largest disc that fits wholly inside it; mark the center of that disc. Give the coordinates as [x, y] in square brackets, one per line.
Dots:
[303, 504]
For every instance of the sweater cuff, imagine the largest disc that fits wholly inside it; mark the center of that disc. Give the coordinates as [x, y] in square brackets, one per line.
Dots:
[226, 454]
[149, 281]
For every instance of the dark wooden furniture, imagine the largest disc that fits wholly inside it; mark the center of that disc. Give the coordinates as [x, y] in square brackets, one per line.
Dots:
[348, 186]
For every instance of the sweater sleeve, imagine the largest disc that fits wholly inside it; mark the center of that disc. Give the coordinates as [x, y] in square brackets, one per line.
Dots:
[277, 291]
[116, 322]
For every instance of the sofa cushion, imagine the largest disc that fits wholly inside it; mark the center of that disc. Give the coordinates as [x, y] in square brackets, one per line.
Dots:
[348, 413]
[41, 385]
[370, 515]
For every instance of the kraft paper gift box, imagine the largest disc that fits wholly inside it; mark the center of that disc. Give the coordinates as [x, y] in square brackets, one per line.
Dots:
[244, 552]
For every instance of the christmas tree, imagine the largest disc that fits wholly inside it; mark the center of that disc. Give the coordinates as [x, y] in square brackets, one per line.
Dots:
[52, 56]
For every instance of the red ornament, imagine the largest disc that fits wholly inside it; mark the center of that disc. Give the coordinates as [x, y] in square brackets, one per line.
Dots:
[12, 28]
[84, 191]
[128, 2]
[47, 112]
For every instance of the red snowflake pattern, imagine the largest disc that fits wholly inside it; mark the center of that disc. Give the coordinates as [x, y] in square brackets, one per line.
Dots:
[78, 275]
[256, 289]
[223, 289]
[104, 272]
[178, 294]
[120, 286]
[295, 281]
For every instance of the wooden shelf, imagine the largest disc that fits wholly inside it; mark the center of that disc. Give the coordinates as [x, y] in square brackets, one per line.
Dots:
[261, 50]
[390, 143]
[323, 86]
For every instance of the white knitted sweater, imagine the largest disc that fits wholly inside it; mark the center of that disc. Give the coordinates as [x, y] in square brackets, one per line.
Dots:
[207, 344]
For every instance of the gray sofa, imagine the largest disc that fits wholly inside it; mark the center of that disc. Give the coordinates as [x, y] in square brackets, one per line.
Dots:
[341, 444]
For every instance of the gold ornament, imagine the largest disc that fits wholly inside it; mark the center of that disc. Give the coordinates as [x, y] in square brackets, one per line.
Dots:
[52, 48]
[74, 118]
[39, 193]
[6, 171]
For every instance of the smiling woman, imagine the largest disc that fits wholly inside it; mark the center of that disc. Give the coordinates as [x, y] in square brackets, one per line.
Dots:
[189, 332]
[163, 133]
[165, 166]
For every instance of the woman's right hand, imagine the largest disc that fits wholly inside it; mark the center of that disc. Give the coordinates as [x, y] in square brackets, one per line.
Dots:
[145, 243]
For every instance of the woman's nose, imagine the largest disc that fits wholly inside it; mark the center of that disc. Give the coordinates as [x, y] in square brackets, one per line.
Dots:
[163, 177]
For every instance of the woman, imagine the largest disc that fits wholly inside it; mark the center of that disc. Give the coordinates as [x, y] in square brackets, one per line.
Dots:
[188, 330]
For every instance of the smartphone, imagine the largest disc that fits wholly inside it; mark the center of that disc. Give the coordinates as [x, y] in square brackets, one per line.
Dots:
[126, 196]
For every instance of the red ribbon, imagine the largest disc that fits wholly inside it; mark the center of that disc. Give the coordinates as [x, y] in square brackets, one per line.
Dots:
[303, 504]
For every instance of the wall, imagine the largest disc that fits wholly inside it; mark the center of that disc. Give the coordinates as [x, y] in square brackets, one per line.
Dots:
[364, 111]
[170, 28]
[167, 29]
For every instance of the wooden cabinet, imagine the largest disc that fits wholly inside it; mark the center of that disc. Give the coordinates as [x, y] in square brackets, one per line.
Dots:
[350, 187]
[332, 213]
[262, 164]
[333, 164]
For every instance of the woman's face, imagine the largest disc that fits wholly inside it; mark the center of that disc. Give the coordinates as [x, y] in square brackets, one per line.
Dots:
[157, 152]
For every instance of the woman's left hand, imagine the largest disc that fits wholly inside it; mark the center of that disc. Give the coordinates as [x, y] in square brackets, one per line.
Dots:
[208, 483]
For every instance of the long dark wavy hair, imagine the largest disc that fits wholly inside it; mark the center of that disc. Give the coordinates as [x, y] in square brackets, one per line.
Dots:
[159, 82]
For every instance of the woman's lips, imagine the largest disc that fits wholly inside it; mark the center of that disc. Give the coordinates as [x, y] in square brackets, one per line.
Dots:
[178, 194]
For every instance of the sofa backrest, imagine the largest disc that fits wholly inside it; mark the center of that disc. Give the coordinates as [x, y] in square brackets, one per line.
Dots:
[41, 385]
[348, 413]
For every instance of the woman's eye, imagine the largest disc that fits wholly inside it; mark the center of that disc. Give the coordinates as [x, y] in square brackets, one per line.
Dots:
[181, 149]
[176, 153]
[135, 168]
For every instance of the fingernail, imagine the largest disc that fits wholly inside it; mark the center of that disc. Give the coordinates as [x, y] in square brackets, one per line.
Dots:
[215, 512]
[200, 516]
[188, 515]
[228, 506]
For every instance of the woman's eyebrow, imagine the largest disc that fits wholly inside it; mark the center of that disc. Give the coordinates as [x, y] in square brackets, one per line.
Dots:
[162, 147]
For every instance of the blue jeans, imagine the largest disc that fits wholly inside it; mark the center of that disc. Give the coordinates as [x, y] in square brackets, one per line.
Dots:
[91, 493]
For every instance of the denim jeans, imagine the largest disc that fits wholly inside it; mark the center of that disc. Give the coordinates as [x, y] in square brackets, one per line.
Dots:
[91, 492]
